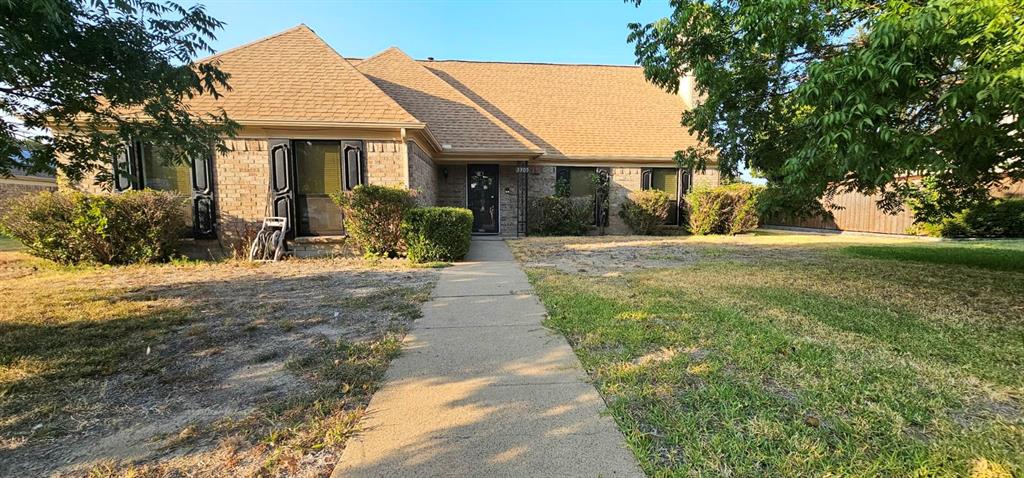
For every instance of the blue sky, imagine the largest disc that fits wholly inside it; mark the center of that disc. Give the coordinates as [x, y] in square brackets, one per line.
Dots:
[531, 30]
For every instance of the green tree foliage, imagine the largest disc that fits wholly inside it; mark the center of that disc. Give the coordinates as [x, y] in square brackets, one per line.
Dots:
[98, 73]
[823, 96]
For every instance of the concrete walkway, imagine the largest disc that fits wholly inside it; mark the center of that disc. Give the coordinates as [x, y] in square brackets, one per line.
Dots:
[482, 389]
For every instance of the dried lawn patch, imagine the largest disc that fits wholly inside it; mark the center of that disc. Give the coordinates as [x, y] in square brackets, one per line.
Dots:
[195, 369]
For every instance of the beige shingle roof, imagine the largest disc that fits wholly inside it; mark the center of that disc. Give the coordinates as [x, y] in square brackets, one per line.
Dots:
[575, 111]
[453, 118]
[295, 76]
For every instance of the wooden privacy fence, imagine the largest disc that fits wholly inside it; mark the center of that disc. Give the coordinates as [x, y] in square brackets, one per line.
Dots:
[859, 213]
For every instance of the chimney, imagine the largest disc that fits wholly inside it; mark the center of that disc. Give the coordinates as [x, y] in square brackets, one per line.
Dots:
[688, 90]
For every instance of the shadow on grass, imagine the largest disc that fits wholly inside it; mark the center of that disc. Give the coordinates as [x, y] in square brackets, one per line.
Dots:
[997, 259]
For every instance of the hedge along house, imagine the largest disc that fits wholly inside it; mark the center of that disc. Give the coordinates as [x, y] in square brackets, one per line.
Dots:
[482, 135]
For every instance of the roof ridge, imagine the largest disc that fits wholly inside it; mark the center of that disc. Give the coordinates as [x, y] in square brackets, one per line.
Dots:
[523, 140]
[356, 70]
[526, 143]
[542, 63]
[377, 55]
[254, 42]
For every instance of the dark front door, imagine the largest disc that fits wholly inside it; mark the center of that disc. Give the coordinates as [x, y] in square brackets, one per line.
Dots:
[482, 197]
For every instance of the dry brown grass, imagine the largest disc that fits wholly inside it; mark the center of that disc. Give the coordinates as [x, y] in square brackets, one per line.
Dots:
[203, 369]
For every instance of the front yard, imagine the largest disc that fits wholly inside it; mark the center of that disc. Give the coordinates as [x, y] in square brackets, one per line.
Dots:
[798, 355]
[193, 369]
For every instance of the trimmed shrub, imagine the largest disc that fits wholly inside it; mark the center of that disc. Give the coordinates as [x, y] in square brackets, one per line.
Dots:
[437, 233]
[645, 211]
[373, 218]
[1000, 218]
[729, 209]
[561, 216]
[73, 228]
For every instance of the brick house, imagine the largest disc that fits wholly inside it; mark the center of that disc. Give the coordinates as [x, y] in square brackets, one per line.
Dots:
[482, 135]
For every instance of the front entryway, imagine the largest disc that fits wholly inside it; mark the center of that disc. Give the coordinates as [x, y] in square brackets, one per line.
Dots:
[482, 197]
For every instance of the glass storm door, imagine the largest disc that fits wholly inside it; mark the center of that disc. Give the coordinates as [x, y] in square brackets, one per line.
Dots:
[482, 197]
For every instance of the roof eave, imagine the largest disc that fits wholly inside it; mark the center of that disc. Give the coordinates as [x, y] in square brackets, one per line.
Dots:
[331, 124]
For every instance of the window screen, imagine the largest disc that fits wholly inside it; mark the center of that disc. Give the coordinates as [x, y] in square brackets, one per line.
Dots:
[317, 176]
[164, 177]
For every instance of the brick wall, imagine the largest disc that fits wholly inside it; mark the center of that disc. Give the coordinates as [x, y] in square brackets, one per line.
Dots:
[385, 163]
[423, 175]
[13, 188]
[507, 208]
[623, 181]
[451, 190]
[708, 178]
[542, 181]
[240, 179]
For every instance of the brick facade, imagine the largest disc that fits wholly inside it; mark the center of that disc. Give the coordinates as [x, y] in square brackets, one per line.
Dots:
[623, 181]
[241, 185]
[451, 188]
[508, 184]
[385, 163]
[708, 178]
[241, 177]
[11, 189]
[423, 175]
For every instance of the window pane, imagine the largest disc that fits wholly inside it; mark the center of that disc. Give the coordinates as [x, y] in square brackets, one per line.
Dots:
[318, 174]
[664, 179]
[581, 182]
[165, 177]
[319, 167]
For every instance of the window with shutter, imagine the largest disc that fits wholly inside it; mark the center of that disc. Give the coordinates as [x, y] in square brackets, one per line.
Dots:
[669, 180]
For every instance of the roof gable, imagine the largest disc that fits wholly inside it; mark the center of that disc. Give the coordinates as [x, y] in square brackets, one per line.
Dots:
[575, 111]
[294, 76]
[453, 118]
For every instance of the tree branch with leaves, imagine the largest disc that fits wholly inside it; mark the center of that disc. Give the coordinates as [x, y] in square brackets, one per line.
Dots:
[825, 96]
[81, 78]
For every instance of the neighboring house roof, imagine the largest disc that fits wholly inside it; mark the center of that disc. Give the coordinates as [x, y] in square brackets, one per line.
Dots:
[457, 122]
[575, 111]
[294, 76]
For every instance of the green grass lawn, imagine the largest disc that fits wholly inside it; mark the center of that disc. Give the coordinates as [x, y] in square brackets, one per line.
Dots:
[821, 356]
[8, 244]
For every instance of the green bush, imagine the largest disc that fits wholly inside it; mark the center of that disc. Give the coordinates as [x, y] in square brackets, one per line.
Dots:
[1000, 218]
[645, 211]
[729, 209]
[74, 228]
[437, 233]
[561, 216]
[373, 218]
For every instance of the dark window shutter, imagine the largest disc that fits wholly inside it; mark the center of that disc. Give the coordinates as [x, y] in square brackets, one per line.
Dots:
[203, 217]
[562, 181]
[282, 181]
[354, 164]
[645, 179]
